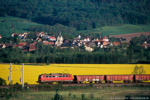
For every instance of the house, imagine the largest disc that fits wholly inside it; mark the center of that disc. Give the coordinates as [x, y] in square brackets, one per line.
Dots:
[59, 41]
[52, 38]
[32, 47]
[48, 43]
[0, 36]
[14, 34]
[79, 37]
[145, 45]
[67, 44]
[87, 39]
[2, 46]
[40, 34]
[105, 39]
[90, 49]
[105, 43]
[21, 44]
[116, 43]
[23, 36]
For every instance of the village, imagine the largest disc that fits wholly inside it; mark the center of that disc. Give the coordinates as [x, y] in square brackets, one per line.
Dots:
[88, 43]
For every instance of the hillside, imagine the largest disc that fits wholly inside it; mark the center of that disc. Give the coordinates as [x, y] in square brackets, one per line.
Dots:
[116, 30]
[9, 24]
[79, 14]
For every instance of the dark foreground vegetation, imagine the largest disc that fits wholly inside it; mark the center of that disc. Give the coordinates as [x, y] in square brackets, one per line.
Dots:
[58, 92]
[79, 14]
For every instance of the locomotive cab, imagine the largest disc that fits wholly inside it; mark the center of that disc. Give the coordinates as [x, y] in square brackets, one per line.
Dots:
[39, 79]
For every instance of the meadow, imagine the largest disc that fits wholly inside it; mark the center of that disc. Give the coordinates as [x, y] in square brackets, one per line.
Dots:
[117, 30]
[31, 72]
[10, 24]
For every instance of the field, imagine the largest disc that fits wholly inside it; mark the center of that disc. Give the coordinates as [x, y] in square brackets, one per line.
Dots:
[31, 72]
[116, 30]
[10, 24]
[128, 37]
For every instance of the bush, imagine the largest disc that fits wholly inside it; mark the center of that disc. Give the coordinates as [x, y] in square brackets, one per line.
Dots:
[57, 96]
[2, 81]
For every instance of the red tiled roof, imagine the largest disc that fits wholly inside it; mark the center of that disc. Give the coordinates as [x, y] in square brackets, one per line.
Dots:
[105, 43]
[99, 40]
[32, 47]
[48, 43]
[21, 44]
[52, 37]
[116, 43]
[0, 36]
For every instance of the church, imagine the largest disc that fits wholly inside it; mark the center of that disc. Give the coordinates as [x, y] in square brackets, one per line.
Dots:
[59, 41]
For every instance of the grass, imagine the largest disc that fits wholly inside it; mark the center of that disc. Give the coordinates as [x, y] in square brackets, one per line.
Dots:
[10, 24]
[89, 93]
[116, 30]
[22, 25]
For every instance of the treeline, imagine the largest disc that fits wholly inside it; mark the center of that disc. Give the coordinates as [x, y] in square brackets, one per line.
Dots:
[48, 54]
[80, 14]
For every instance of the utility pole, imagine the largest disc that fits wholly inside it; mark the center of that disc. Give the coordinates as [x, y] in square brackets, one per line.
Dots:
[23, 75]
[10, 79]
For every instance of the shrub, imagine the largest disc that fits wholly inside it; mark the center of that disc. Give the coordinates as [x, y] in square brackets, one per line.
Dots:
[2, 81]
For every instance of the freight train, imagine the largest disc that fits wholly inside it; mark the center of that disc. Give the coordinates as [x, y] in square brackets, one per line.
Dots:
[69, 78]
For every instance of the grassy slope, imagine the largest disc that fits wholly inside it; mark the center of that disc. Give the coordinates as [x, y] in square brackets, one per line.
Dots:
[122, 29]
[20, 25]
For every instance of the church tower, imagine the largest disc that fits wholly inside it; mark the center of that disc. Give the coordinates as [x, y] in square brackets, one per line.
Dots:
[60, 39]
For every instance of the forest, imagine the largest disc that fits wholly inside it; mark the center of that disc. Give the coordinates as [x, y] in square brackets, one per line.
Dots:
[79, 14]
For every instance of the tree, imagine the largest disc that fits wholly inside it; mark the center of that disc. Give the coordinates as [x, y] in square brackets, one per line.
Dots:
[138, 70]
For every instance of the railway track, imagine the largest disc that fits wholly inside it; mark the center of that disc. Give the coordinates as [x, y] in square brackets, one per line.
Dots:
[85, 84]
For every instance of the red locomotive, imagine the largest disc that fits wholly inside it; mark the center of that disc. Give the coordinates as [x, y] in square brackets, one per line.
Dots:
[66, 78]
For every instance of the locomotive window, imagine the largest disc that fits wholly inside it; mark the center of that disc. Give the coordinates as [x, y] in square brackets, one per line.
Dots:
[46, 76]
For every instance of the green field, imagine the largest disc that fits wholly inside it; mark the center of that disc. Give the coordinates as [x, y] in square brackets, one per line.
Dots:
[116, 30]
[81, 93]
[9, 24]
